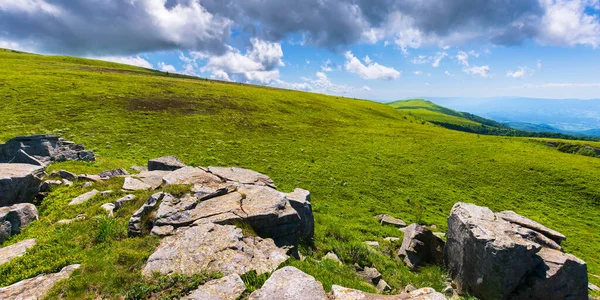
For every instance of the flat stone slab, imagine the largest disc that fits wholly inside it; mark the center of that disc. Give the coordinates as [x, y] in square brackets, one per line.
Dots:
[37, 287]
[191, 175]
[132, 184]
[165, 163]
[16, 250]
[19, 183]
[385, 219]
[152, 178]
[217, 248]
[84, 197]
[241, 175]
[226, 288]
[290, 283]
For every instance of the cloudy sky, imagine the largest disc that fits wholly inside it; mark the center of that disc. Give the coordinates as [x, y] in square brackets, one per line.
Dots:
[373, 49]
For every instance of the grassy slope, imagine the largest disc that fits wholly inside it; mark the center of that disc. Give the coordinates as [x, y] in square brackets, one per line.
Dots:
[358, 158]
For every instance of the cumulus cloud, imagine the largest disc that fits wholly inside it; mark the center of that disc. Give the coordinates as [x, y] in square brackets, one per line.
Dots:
[129, 60]
[520, 72]
[435, 60]
[327, 66]
[371, 70]
[166, 68]
[419, 72]
[320, 83]
[482, 71]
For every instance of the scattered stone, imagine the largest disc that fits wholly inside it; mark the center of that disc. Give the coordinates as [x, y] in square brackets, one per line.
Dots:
[132, 184]
[37, 287]
[49, 184]
[138, 168]
[90, 177]
[371, 275]
[135, 222]
[15, 250]
[68, 221]
[67, 175]
[109, 207]
[106, 193]
[113, 173]
[153, 178]
[42, 150]
[491, 257]
[409, 288]
[16, 217]
[217, 248]
[121, 201]
[342, 293]
[420, 246]
[226, 288]
[84, 197]
[165, 163]
[331, 255]
[392, 239]
[373, 244]
[19, 183]
[591, 287]
[382, 286]
[87, 185]
[241, 175]
[67, 182]
[290, 283]
[191, 175]
[385, 219]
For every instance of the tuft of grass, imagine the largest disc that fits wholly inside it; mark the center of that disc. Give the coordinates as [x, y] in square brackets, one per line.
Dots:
[169, 287]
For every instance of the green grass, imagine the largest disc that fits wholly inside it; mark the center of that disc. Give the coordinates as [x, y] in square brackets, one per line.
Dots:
[358, 158]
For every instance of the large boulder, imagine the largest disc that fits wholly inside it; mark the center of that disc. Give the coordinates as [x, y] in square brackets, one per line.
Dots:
[19, 183]
[420, 246]
[16, 250]
[241, 175]
[227, 288]
[16, 217]
[165, 163]
[37, 287]
[507, 256]
[42, 150]
[191, 175]
[342, 293]
[300, 201]
[290, 283]
[209, 246]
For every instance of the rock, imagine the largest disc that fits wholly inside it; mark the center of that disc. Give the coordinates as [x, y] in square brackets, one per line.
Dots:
[15, 250]
[106, 193]
[16, 217]
[290, 283]
[165, 163]
[591, 287]
[226, 288]
[67, 182]
[374, 244]
[214, 247]
[409, 288]
[84, 197]
[300, 201]
[138, 168]
[342, 293]
[241, 175]
[132, 184]
[371, 275]
[49, 184]
[420, 246]
[135, 222]
[19, 183]
[448, 290]
[37, 287]
[392, 239]
[121, 201]
[332, 256]
[87, 185]
[163, 231]
[515, 218]
[42, 150]
[382, 286]
[191, 175]
[493, 258]
[152, 178]
[67, 175]
[441, 235]
[68, 221]
[109, 208]
[385, 219]
[90, 177]
[113, 173]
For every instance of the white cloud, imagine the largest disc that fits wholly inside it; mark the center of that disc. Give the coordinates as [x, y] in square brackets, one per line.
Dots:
[367, 60]
[483, 71]
[129, 60]
[419, 72]
[539, 65]
[519, 73]
[438, 58]
[564, 85]
[370, 71]
[320, 84]
[421, 59]
[166, 68]
[448, 73]
[566, 23]
[434, 59]
[463, 58]
[366, 88]
[327, 66]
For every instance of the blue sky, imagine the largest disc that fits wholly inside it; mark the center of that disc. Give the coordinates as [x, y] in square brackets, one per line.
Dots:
[380, 50]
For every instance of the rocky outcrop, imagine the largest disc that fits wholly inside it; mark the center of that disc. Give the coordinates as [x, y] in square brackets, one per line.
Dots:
[420, 246]
[290, 283]
[132, 184]
[209, 246]
[37, 287]
[19, 183]
[243, 176]
[152, 178]
[135, 227]
[16, 217]
[113, 173]
[342, 293]
[42, 150]
[16, 250]
[507, 256]
[165, 163]
[226, 288]
[385, 219]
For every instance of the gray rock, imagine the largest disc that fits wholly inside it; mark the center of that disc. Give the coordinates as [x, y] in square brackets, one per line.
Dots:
[42, 150]
[409, 288]
[152, 178]
[113, 173]
[106, 193]
[37, 287]
[49, 184]
[121, 201]
[67, 182]
[67, 175]
[342, 293]
[515, 218]
[139, 168]
[369, 274]
[214, 247]
[191, 175]
[87, 185]
[165, 163]
[392, 239]
[84, 197]
[385, 219]
[14, 218]
[109, 208]
[374, 244]
[492, 258]
[593, 287]
[300, 201]
[382, 286]
[420, 246]
[15, 250]
[90, 177]
[331, 255]
[163, 231]
[241, 175]
[132, 184]
[135, 222]
[226, 288]
[19, 183]
[289, 283]
[69, 221]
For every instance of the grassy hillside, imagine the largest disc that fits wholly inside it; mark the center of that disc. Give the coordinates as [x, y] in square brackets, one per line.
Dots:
[358, 158]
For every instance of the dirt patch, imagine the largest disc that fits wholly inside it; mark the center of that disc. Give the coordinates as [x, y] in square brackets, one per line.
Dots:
[187, 105]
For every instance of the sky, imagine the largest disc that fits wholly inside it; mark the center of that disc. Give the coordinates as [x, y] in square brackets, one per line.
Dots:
[381, 50]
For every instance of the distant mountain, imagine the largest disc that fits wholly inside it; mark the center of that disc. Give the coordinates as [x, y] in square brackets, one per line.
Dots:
[533, 127]
[567, 115]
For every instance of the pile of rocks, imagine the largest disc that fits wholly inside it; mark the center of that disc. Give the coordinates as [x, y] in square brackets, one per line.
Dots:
[41, 150]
